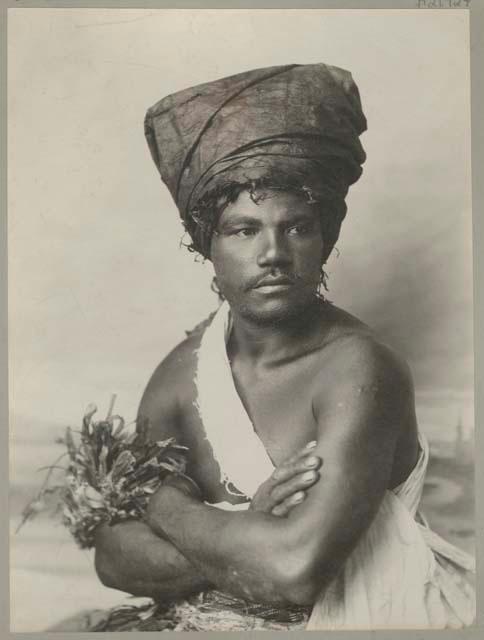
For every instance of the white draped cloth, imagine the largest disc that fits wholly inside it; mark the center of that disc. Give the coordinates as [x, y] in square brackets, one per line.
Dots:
[400, 575]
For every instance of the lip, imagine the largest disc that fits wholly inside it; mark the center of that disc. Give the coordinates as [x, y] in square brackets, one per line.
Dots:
[274, 286]
[273, 289]
[277, 282]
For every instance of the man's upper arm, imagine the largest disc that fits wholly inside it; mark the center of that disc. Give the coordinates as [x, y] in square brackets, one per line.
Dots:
[166, 392]
[129, 555]
[359, 415]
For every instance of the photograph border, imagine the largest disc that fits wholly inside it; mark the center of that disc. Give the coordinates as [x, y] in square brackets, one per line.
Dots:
[476, 14]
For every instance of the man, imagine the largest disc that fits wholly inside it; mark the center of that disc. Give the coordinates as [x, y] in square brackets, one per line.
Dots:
[259, 165]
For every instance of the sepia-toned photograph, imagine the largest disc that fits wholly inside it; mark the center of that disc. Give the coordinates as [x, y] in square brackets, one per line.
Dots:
[240, 305]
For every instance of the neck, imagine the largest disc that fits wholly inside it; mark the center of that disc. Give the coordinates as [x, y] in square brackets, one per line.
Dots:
[268, 345]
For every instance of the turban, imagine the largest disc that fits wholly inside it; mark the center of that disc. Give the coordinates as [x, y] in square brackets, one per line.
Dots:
[297, 125]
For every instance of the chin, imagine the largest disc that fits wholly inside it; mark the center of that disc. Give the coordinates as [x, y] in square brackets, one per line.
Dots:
[274, 311]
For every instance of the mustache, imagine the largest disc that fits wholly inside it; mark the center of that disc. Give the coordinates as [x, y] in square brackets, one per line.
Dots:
[255, 282]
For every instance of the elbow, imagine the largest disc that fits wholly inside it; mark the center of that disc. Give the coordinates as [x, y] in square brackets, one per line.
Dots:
[303, 592]
[104, 563]
[105, 570]
[286, 568]
[308, 574]
[298, 580]
[300, 589]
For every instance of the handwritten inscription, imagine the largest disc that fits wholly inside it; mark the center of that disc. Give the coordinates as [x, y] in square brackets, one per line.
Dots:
[443, 4]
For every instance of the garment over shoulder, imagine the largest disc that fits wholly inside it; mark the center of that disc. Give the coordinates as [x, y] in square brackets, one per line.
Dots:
[400, 575]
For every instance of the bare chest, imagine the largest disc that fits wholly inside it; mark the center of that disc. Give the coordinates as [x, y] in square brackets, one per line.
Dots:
[278, 402]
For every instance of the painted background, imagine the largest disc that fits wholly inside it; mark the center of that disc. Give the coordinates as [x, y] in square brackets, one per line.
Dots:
[99, 287]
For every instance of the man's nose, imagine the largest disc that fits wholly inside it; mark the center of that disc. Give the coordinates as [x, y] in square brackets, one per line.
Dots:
[273, 250]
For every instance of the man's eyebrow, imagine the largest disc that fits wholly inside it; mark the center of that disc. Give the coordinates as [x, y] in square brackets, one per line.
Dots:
[238, 220]
[303, 217]
[244, 219]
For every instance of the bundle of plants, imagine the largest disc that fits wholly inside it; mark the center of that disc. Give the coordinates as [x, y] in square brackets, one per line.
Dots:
[110, 475]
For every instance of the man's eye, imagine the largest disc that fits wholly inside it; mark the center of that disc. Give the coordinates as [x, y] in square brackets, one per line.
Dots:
[245, 232]
[299, 230]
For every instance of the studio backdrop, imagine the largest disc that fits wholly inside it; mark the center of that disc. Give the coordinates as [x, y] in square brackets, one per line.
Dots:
[101, 287]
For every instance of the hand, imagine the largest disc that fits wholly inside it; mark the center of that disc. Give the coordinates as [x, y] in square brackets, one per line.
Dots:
[288, 484]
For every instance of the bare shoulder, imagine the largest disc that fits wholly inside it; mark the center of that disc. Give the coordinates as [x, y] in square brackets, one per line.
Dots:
[363, 358]
[353, 350]
[360, 372]
[171, 387]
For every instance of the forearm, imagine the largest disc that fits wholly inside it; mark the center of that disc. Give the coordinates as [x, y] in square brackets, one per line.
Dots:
[131, 558]
[244, 553]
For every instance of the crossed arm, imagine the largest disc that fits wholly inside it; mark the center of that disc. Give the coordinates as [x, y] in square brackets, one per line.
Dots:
[260, 556]
[132, 558]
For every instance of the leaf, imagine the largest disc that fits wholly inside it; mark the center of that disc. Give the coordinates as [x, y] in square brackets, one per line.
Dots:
[70, 444]
[120, 426]
[86, 420]
[149, 490]
[93, 498]
[163, 444]
[167, 466]
[109, 476]
[123, 465]
[131, 438]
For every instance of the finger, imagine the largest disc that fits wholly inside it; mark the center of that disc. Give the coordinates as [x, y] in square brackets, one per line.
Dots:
[301, 453]
[287, 468]
[280, 510]
[286, 471]
[299, 482]
[283, 508]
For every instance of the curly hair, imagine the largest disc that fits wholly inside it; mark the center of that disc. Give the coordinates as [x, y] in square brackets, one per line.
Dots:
[203, 218]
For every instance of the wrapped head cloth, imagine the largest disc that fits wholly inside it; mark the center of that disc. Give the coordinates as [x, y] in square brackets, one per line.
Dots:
[294, 127]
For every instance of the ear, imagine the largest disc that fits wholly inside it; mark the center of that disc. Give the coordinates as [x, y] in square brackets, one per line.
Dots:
[214, 287]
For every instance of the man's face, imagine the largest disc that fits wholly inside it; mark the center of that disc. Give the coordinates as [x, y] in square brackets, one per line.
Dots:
[267, 255]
